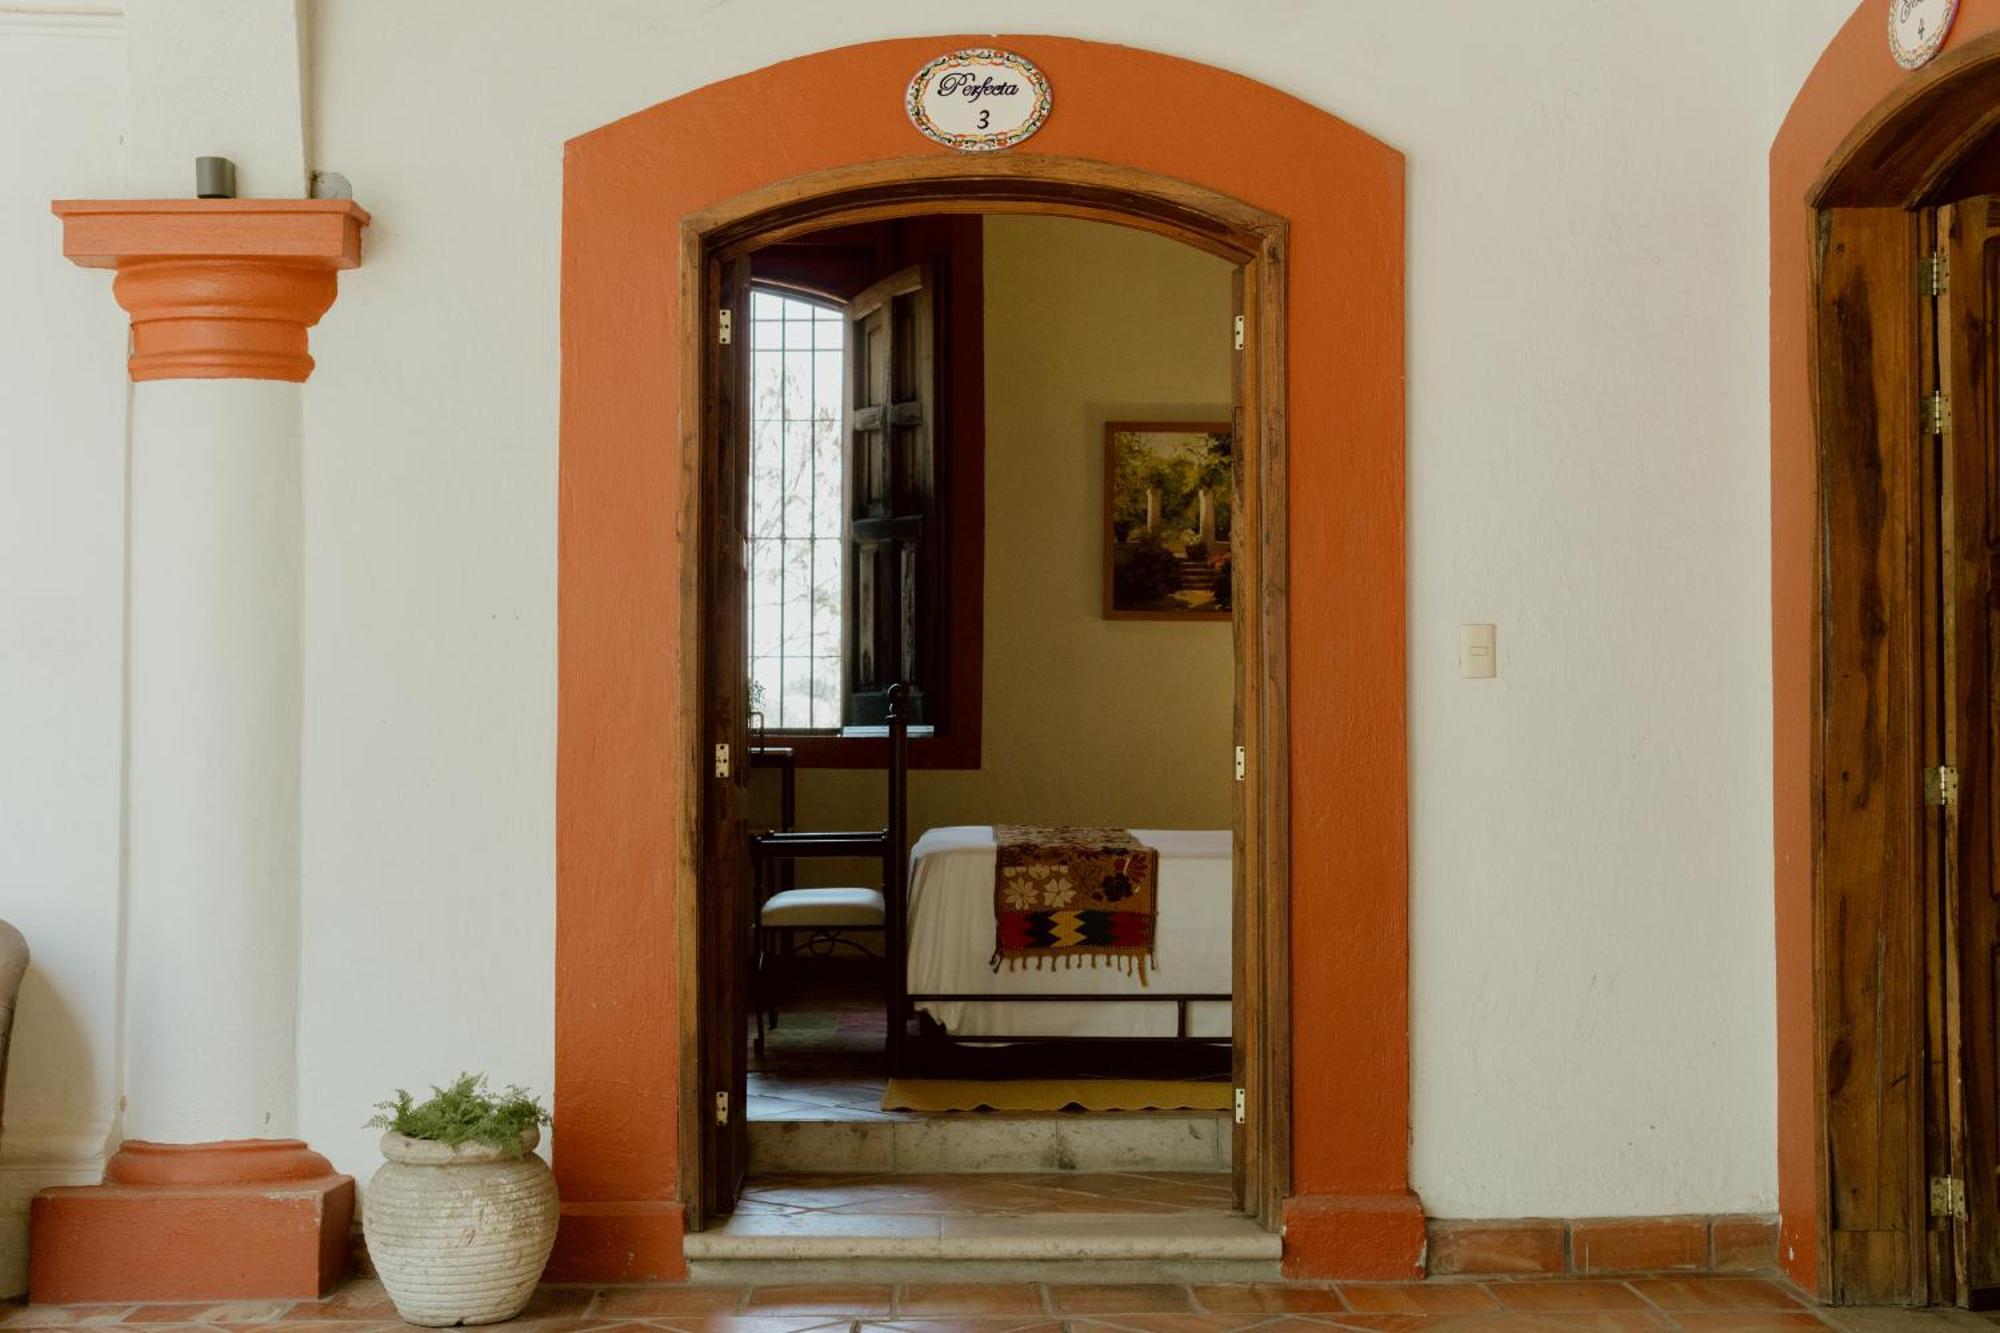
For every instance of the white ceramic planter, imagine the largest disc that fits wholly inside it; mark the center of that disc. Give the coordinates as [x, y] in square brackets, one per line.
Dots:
[459, 1235]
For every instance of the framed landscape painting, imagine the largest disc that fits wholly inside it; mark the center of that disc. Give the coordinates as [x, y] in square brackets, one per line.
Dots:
[1166, 520]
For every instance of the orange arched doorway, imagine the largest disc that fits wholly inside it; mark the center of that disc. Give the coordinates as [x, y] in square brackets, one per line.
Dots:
[1866, 148]
[634, 192]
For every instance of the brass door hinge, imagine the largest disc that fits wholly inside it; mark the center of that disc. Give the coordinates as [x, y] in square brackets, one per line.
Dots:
[1947, 1196]
[1239, 333]
[1242, 1106]
[1242, 763]
[1941, 786]
[723, 320]
[1937, 414]
[722, 760]
[721, 1108]
[1934, 274]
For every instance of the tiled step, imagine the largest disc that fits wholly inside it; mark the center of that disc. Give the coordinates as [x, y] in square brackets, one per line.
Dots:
[976, 1143]
[1124, 1238]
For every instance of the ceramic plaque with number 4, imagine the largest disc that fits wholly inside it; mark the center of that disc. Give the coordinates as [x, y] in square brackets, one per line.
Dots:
[1917, 29]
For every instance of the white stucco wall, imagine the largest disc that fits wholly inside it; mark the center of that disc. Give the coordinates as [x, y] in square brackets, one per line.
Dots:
[1590, 837]
[62, 564]
[1591, 848]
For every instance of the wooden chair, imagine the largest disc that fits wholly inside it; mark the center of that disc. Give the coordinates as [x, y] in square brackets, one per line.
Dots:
[832, 913]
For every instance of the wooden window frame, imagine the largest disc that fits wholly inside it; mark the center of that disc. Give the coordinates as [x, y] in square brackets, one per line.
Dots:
[828, 526]
[955, 245]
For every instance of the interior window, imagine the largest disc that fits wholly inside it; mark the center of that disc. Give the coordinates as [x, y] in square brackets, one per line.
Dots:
[796, 511]
[864, 537]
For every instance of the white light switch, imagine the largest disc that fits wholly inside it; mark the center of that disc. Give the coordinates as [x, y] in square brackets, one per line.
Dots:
[1476, 658]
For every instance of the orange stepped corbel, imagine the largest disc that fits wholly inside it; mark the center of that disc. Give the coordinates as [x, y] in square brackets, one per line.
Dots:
[217, 288]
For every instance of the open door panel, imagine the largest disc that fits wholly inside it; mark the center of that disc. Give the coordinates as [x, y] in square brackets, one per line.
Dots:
[724, 906]
[1966, 1137]
[891, 483]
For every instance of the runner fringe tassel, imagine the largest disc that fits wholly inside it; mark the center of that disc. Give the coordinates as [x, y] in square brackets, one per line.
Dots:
[1131, 964]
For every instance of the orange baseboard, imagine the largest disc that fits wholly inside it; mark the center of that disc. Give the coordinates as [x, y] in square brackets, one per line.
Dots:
[1362, 1237]
[633, 1240]
[115, 1243]
[1600, 1246]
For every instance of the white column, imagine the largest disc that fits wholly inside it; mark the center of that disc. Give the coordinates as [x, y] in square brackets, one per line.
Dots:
[214, 686]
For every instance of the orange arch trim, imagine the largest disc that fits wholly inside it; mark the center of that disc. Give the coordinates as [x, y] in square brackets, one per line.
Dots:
[628, 188]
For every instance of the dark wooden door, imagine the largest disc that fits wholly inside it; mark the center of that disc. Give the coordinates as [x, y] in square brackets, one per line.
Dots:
[723, 895]
[1870, 825]
[1244, 1016]
[1260, 1049]
[892, 536]
[1966, 1137]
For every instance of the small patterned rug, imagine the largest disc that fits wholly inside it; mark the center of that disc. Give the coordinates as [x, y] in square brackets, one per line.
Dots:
[1064, 897]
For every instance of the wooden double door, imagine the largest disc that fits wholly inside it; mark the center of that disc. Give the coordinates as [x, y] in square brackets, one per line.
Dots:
[1907, 752]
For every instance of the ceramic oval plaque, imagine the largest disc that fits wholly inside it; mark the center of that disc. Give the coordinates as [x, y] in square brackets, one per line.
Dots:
[978, 100]
[1917, 29]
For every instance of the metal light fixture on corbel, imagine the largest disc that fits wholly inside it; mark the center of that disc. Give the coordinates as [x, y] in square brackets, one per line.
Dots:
[214, 178]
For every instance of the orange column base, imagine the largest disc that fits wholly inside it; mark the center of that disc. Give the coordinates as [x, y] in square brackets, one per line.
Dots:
[1362, 1237]
[246, 1220]
[635, 1240]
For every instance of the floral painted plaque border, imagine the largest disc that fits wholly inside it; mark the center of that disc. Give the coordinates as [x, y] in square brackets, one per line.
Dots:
[978, 100]
[1917, 29]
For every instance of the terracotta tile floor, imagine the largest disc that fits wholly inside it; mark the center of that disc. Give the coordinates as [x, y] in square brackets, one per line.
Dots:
[1686, 1305]
[996, 1193]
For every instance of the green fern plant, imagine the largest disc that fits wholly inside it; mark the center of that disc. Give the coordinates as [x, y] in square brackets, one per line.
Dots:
[465, 1112]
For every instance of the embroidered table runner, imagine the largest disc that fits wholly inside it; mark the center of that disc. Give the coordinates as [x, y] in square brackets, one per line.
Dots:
[1066, 894]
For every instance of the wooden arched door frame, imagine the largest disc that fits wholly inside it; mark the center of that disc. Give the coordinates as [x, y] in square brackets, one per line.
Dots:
[1862, 1083]
[1140, 138]
[1254, 241]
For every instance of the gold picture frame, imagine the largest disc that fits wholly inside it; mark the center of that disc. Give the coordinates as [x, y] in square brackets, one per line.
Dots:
[1167, 520]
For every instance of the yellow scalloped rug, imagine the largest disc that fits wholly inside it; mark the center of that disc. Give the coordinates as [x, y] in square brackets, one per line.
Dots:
[1054, 1094]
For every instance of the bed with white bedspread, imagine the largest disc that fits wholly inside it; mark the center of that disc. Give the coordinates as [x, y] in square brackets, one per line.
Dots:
[951, 947]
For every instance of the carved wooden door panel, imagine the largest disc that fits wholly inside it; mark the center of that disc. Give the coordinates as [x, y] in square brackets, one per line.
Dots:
[891, 496]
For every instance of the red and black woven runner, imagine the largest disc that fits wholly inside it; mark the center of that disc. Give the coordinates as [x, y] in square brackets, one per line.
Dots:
[1067, 895]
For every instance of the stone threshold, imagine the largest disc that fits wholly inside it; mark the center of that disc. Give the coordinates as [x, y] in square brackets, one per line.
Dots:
[959, 1272]
[1035, 1239]
[953, 1144]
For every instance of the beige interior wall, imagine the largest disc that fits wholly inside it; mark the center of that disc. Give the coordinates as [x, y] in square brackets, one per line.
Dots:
[1087, 720]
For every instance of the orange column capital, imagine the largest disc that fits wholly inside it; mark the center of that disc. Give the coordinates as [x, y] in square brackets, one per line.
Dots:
[217, 288]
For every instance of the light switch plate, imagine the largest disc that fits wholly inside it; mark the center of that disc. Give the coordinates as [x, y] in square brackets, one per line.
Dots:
[1476, 657]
